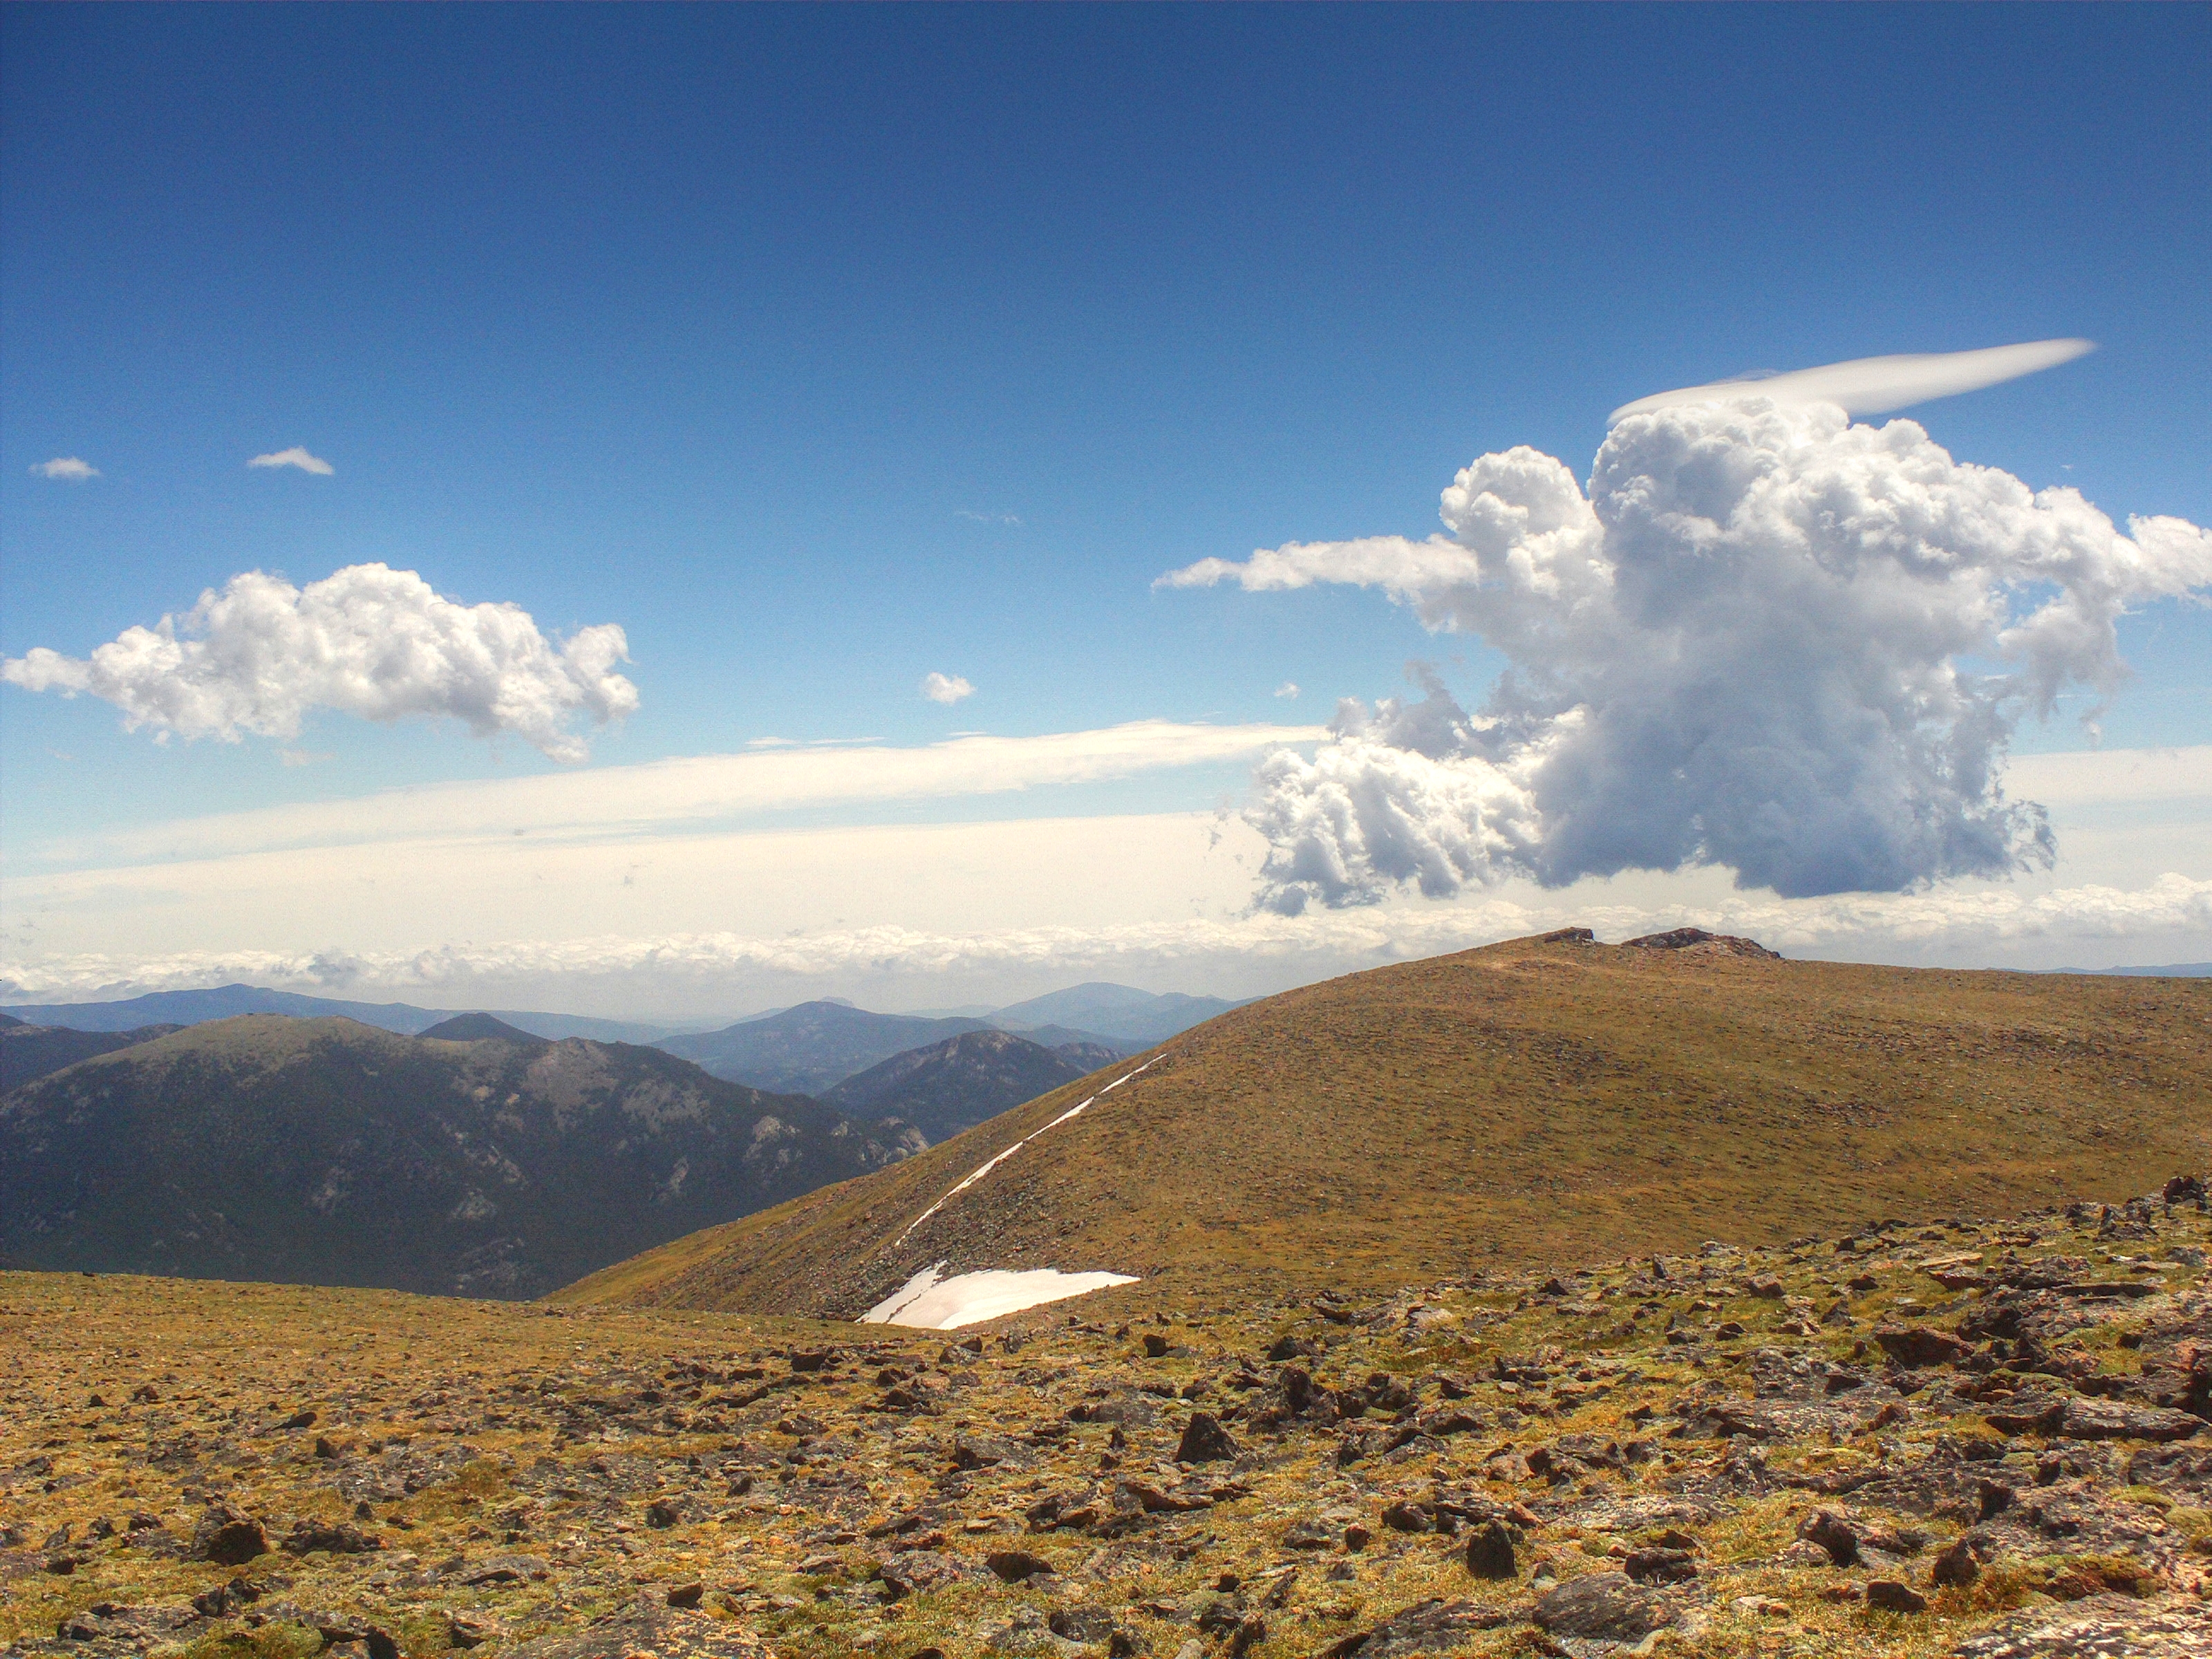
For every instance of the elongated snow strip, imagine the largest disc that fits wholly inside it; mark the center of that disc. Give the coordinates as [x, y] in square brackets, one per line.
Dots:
[927, 1302]
[1074, 1111]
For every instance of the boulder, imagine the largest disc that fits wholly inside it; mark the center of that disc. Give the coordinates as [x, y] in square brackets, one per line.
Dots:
[1489, 1552]
[1832, 1534]
[1205, 1441]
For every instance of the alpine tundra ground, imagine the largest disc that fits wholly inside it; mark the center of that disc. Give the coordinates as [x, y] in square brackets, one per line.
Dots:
[1986, 1439]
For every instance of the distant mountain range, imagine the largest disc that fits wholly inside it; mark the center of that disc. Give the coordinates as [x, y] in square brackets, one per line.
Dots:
[2171, 971]
[962, 1081]
[1136, 1020]
[228, 1001]
[473, 1159]
[810, 1049]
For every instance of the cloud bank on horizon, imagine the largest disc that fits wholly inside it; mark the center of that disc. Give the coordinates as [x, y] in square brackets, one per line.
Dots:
[367, 640]
[1754, 643]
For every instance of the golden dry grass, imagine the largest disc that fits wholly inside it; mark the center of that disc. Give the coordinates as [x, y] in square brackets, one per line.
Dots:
[1525, 1104]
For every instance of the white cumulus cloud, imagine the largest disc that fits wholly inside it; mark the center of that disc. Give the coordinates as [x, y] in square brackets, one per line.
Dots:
[1767, 638]
[367, 640]
[1287, 689]
[947, 689]
[295, 456]
[67, 468]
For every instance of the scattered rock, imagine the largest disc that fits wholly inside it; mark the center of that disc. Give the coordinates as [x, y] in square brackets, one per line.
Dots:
[1426, 1627]
[1659, 1566]
[1608, 1606]
[1918, 1347]
[666, 1632]
[1489, 1552]
[1016, 1566]
[2101, 1625]
[228, 1540]
[1955, 1565]
[2111, 1419]
[473, 1630]
[504, 1570]
[1081, 1624]
[1205, 1441]
[1832, 1534]
[1892, 1596]
[309, 1536]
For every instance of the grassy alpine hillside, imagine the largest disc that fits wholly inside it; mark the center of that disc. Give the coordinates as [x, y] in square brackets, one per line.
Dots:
[1544, 1102]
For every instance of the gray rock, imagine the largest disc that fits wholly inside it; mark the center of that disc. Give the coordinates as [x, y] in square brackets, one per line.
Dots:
[2102, 1627]
[1606, 1606]
[2111, 1419]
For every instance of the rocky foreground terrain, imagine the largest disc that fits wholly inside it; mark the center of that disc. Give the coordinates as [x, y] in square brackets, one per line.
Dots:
[1973, 1438]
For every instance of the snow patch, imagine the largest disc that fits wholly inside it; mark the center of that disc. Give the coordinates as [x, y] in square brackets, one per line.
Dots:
[930, 1303]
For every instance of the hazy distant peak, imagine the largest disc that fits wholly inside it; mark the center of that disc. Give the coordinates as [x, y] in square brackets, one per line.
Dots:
[478, 1027]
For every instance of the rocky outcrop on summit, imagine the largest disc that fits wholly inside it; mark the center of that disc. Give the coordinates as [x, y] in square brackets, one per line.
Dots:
[482, 1163]
[1696, 941]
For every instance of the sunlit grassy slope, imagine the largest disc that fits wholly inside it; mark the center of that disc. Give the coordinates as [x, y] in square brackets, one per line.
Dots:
[1529, 1103]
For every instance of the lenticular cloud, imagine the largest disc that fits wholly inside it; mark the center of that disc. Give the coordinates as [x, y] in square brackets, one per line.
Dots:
[367, 640]
[1767, 638]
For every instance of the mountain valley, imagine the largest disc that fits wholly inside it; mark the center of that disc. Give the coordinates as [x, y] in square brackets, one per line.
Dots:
[323, 1150]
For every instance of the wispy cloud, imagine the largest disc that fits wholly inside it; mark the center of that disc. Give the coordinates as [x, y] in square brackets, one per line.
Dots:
[1875, 385]
[295, 456]
[367, 640]
[985, 517]
[66, 468]
[947, 689]
[666, 796]
[1287, 689]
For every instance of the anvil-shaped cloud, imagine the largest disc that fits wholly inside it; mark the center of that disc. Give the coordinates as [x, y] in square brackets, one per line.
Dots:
[1767, 638]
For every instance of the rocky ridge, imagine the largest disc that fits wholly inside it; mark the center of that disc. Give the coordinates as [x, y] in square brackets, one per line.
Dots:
[1988, 1439]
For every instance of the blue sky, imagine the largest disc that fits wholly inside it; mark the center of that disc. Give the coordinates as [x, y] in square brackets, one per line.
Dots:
[822, 348]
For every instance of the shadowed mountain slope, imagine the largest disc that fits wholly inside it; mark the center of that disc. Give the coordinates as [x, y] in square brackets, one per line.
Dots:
[811, 1048]
[956, 1083]
[1542, 1101]
[326, 1151]
[29, 1052]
